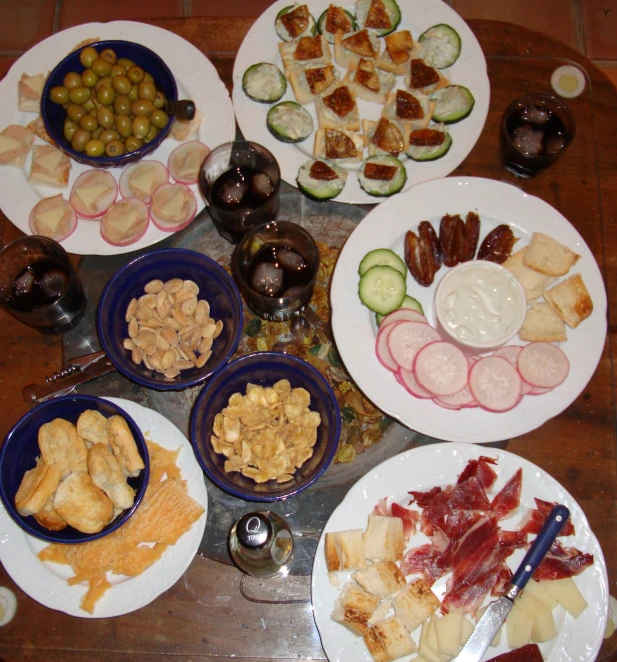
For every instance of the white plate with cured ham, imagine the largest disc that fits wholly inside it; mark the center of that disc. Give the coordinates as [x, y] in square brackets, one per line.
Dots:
[467, 553]
[355, 328]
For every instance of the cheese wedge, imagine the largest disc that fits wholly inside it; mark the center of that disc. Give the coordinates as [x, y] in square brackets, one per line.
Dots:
[50, 219]
[51, 160]
[33, 86]
[519, 626]
[173, 207]
[143, 179]
[449, 628]
[122, 222]
[90, 193]
[567, 594]
[190, 165]
[7, 144]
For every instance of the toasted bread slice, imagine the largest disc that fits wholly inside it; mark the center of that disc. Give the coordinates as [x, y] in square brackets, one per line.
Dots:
[36, 487]
[368, 82]
[337, 108]
[107, 474]
[354, 608]
[388, 640]
[308, 52]
[15, 144]
[570, 300]
[397, 53]
[92, 427]
[49, 518]
[533, 282]
[309, 83]
[82, 505]
[381, 578]
[123, 445]
[548, 256]
[338, 145]
[29, 92]
[345, 550]
[412, 109]
[415, 603]
[50, 166]
[384, 539]
[385, 137]
[350, 48]
[542, 324]
[60, 443]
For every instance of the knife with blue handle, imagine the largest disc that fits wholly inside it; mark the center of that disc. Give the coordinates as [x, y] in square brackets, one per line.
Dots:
[496, 612]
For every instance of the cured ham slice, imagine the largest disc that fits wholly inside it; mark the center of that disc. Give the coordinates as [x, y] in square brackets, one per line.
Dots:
[533, 521]
[476, 553]
[424, 498]
[509, 498]
[426, 561]
[410, 517]
[562, 562]
[511, 540]
[480, 469]
[469, 597]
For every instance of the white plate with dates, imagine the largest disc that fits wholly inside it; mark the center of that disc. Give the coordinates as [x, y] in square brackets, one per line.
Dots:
[261, 45]
[578, 640]
[355, 329]
[197, 79]
[46, 582]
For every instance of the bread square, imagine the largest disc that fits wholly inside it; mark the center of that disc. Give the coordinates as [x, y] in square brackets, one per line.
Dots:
[533, 282]
[548, 256]
[392, 134]
[368, 82]
[327, 118]
[381, 578]
[384, 539]
[326, 140]
[288, 49]
[542, 324]
[425, 108]
[50, 166]
[415, 604]
[570, 300]
[15, 143]
[345, 550]
[29, 92]
[36, 487]
[397, 53]
[388, 640]
[441, 81]
[37, 126]
[354, 608]
[350, 48]
[309, 83]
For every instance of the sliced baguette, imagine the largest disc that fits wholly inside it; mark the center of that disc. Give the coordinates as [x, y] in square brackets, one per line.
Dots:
[384, 539]
[354, 608]
[388, 640]
[345, 550]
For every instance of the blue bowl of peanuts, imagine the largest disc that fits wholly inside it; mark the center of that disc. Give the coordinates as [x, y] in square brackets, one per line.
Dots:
[170, 319]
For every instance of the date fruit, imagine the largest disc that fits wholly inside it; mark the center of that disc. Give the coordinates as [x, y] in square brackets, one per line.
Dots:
[497, 245]
[423, 253]
[459, 239]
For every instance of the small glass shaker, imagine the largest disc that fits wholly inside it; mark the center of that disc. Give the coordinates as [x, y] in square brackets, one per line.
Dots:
[261, 544]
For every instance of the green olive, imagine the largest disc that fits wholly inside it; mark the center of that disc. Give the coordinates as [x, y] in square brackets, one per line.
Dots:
[147, 90]
[71, 80]
[142, 108]
[89, 78]
[109, 55]
[69, 129]
[106, 95]
[108, 135]
[59, 94]
[152, 134]
[88, 56]
[122, 105]
[135, 74]
[141, 126]
[97, 132]
[125, 62]
[124, 125]
[79, 95]
[114, 148]
[121, 84]
[159, 99]
[102, 82]
[79, 140]
[75, 112]
[134, 93]
[94, 148]
[133, 143]
[148, 77]
[159, 119]
[117, 70]
[105, 117]
[88, 123]
[92, 105]
[101, 67]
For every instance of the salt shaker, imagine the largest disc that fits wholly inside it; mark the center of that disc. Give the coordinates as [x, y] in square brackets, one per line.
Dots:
[261, 544]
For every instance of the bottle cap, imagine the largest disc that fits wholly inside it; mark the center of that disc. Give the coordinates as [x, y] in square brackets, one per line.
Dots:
[254, 531]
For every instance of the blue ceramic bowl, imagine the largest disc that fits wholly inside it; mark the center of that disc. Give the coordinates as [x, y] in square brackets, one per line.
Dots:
[215, 285]
[21, 449]
[265, 368]
[54, 115]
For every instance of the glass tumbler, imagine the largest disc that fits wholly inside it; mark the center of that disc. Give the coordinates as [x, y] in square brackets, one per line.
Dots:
[240, 181]
[39, 286]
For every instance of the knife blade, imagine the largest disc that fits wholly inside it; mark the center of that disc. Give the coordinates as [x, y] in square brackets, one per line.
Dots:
[496, 612]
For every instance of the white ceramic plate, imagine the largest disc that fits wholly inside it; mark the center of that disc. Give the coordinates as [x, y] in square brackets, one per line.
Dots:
[439, 465]
[261, 45]
[46, 582]
[355, 329]
[197, 79]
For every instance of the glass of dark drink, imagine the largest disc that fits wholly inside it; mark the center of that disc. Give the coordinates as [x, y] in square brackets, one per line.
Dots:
[536, 130]
[39, 286]
[240, 181]
[275, 266]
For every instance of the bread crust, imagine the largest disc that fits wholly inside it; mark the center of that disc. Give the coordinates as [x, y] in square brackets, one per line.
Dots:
[49, 518]
[542, 324]
[345, 550]
[381, 578]
[59, 176]
[414, 604]
[570, 300]
[123, 445]
[328, 119]
[384, 539]
[548, 256]
[36, 487]
[354, 608]
[92, 427]
[533, 282]
[60, 443]
[386, 83]
[388, 640]
[82, 504]
[107, 474]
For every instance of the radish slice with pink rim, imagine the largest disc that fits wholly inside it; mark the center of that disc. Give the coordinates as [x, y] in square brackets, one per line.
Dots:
[510, 354]
[93, 193]
[53, 217]
[381, 348]
[495, 383]
[140, 180]
[407, 338]
[441, 368]
[173, 207]
[409, 381]
[543, 365]
[402, 314]
[185, 161]
[125, 222]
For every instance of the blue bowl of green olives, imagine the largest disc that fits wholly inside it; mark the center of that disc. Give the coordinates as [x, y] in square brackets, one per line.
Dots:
[104, 104]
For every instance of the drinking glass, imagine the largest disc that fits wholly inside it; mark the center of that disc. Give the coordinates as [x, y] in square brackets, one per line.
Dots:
[39, 286]
[240, 181]
[536, 130]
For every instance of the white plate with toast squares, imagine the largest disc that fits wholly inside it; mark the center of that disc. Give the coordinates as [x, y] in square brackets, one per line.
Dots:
[371, 86]
[366, 609]
[568, 309]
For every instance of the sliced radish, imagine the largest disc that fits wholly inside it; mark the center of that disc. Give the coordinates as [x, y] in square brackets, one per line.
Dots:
[381, 348]
[173, 207]
[140, 180]
[463, 398]
[93, 193]
[536, 390]
[441, 368]
[510, 354]
[185, 161]
[409, 381]
[53, 217]
[125, 222]
[542, 364]
[495, 383]
[446, 405]
[407, 338]
[403, 314]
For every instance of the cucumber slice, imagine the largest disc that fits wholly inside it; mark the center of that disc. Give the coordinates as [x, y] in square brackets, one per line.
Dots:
[419, 153]
[441, 46]
[264, 82]
[321, 25]
[378, 187]
[452, 104]
[382, 289]
[392, 9]
[318, 189]
[384, 257]
[289, 122]
[281, 30]
[408, 303]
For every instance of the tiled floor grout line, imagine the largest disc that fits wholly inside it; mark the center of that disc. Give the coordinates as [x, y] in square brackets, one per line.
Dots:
[57, 12]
